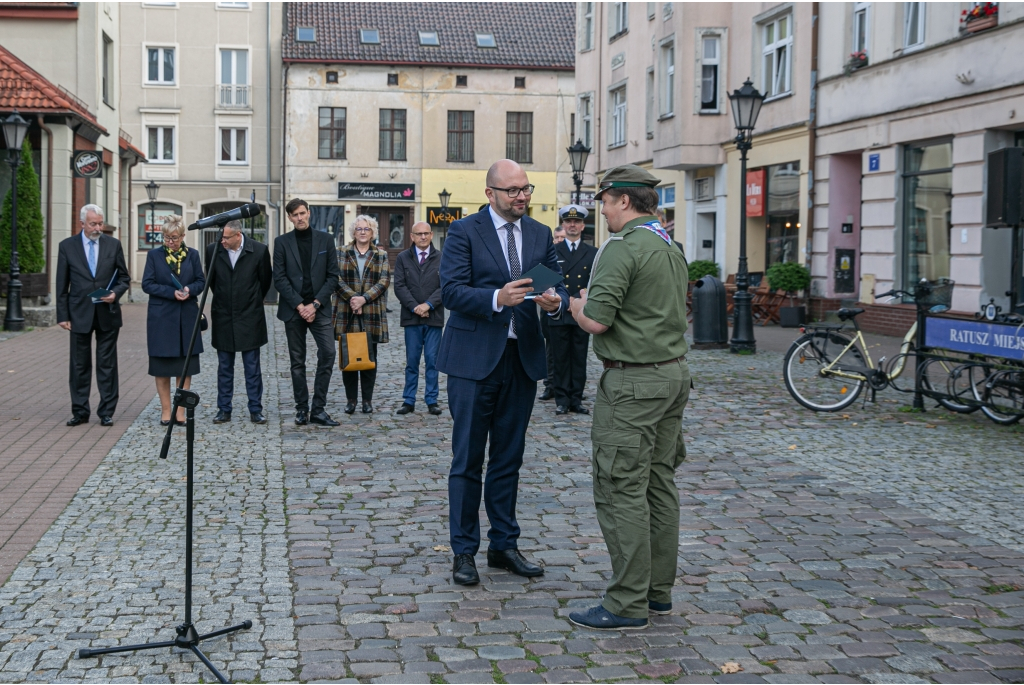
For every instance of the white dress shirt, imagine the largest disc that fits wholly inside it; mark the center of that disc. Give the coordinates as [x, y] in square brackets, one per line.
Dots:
[233, 255]
[421, 255]
[573, 245]
[85, 246]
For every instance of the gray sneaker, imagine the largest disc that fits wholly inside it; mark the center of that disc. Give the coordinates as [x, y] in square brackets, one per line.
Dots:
[599, 618]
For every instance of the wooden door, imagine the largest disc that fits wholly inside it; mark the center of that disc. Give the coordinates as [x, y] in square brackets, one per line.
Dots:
[393, 225]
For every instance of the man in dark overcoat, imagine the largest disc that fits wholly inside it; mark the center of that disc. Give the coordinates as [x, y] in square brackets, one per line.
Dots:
[239, 279]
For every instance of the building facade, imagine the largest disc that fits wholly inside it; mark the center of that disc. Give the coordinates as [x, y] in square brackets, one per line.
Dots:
[201, 96]
[384, 109]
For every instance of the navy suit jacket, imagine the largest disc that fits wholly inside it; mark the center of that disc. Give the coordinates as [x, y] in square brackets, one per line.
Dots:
[472, 268]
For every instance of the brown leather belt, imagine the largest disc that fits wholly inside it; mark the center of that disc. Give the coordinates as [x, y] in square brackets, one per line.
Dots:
[626, 365]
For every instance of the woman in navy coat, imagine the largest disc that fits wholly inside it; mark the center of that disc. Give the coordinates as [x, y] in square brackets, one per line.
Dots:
[173, 309]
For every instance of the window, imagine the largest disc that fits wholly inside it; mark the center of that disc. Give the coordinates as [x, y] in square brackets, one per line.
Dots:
[860, 26]
[332, 77]
[332, 133]
[651, 10]
[233, 5]
[460, 136]
[369, 36]
[778, 44]
[160, 65]
[649, 101]
[519, 137]
[161, 144]
[426, 38]
[587, 27]
[232, 146]
[108, 74]
[151, 220]
[520, 82]
[782, 234]
[913, 24]
[618, 22]
[234, 78]
[617, 105]
[668, 78]
[709, 64]
[305, 34]
[586, 107]
[486, 40]
[392, 134]
[461, 81]
[704, 189]
[392, 79]
[927, 204]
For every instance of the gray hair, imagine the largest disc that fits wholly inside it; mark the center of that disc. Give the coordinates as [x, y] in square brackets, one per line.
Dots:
[95, 209]
[370, 221]
[235, 225]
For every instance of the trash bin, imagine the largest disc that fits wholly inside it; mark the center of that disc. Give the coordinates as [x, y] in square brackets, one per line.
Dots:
[710, 324]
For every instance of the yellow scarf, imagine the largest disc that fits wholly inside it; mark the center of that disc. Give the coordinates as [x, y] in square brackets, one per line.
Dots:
[174, 259]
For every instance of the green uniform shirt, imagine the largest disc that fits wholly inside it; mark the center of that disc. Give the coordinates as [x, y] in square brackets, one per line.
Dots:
[638, 289]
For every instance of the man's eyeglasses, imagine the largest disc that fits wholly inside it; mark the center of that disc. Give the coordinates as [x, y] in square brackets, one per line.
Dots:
[420, 235]
[514, 192]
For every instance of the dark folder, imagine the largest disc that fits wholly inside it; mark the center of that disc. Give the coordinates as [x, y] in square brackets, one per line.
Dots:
[543, 278]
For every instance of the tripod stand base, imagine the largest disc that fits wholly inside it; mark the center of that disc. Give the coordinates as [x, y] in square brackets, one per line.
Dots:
[188, 638]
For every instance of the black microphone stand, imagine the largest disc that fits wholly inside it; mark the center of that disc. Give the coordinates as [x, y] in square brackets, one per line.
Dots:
[187, 635]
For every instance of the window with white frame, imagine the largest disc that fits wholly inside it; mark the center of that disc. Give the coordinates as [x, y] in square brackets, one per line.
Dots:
[586, 118]
[649, 100]
[233, 5]
[160, 66]
[617, 107]
[710, 49]
[234, 78]
[913, 24]
[161, 144]
[618, 13]
[587, 26]
[860, 26]
[776, 55]
[232, 146]
[668, 78]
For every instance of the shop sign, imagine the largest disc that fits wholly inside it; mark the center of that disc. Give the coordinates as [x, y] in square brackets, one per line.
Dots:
[586, 199]
[437, 218]
[87, 164]
[377, 191]
[755, 193]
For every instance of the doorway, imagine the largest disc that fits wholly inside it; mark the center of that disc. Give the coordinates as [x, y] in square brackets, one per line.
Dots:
[393, 228]
[705, 237]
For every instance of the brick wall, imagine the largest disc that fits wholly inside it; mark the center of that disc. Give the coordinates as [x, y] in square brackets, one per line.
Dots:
[884, 319]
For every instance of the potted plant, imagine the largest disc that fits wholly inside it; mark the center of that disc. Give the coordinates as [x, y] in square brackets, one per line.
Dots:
[791, 278]
[984, 15]
[31, 255]
[857, 60]
[701, 268]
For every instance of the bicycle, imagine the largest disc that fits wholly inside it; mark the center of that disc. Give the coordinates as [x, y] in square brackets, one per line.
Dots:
[1001, 390]
[827, 368]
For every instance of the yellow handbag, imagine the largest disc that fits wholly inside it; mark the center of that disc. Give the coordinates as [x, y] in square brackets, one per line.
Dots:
[354, 352]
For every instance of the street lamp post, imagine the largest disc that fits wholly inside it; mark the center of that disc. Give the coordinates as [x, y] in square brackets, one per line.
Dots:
[15, 129]
[445, 197]
[746, 105]
[578, 160]
[151, 191]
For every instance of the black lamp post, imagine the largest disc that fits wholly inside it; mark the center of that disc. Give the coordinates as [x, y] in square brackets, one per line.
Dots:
[746, 105]
[445, 197]
[578, 160]
[15, 129]
[151, 191]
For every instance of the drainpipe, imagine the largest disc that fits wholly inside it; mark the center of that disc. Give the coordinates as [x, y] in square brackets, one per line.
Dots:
[49, 200]
[812, 126]
[271, 231]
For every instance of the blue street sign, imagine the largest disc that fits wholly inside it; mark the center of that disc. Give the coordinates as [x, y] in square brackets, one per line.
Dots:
[874, 162]
[977, 337]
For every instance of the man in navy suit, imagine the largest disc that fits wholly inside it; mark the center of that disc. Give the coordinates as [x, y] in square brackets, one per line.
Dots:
[493, 353]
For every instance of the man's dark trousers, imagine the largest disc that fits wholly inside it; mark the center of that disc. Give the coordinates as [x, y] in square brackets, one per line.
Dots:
[498, 407]
[323, 336]
[549, 356]
[569, 344]
[253, 380]
[80, 378]
[421, 340]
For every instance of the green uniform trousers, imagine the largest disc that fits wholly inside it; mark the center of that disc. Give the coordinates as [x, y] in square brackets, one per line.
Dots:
[638, 444]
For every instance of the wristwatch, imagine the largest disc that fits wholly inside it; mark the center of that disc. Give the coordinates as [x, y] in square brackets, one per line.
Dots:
[316, 305]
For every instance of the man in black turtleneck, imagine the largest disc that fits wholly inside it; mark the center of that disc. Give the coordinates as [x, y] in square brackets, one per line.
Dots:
[306, 275]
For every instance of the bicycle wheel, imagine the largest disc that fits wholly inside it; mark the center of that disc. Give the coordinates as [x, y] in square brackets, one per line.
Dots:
[803, 366]
[946, 383]
[1003, 396]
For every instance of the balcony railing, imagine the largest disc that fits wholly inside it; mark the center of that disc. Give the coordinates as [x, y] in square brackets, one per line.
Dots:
[235, 96]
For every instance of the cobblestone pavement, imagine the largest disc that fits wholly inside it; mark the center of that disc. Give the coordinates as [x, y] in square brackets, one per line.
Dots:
[870, 546]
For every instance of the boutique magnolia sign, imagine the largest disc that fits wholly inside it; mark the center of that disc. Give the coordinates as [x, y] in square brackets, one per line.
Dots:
[377, 191]
[975, 337]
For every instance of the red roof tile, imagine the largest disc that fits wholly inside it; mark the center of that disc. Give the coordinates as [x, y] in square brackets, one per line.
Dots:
[24, 89]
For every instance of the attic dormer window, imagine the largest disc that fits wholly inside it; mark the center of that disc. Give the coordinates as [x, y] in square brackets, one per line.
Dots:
[486, 40]
[429, 38]
[369, 36]
[305, 34]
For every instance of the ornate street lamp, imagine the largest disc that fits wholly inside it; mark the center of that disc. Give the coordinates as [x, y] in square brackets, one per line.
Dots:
[15, 129]
[746, 105]
[151, 191]
[445, 197]
[578, 160]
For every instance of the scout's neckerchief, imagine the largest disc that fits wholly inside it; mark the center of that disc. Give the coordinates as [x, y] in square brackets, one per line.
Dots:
[655, 228]
[174, 259]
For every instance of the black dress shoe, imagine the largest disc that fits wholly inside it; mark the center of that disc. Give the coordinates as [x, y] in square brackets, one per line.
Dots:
[350, 408]
[77, 420]
[579, 409]
[258, 417]
[301, 418]
[165, 422]
[561, 410]
[512, 560]
[434, 409]
[547, 395]
[406, 408]
[464, 570]
[222, 417]
[106, 421]
[367, 408]
[322, 419]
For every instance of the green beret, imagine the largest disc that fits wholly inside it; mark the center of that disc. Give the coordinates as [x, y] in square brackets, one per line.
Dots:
[627, 176]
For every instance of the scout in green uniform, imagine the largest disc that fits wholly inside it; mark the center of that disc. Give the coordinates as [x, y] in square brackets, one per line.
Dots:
[636, 310]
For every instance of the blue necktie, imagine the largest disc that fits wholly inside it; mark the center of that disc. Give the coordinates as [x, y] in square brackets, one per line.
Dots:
[92, 258]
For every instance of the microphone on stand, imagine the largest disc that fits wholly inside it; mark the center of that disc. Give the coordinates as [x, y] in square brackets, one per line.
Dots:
[246, 211]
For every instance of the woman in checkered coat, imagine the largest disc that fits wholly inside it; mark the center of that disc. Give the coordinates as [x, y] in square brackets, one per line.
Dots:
[365, 276]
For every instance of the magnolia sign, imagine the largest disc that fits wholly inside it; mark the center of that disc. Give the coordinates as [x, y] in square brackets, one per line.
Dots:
[377, 191]
[975, 337]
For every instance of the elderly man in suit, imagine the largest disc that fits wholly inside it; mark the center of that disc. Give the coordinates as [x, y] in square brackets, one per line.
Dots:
[240, 277]
[493, 353]
[88, 262]
[306, 274]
